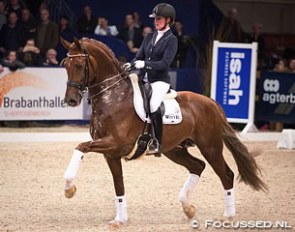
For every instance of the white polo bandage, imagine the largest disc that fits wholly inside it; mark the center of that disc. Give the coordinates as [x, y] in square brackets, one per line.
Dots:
[186, 192]
[121, 209]
[74, 164]
[229, 203]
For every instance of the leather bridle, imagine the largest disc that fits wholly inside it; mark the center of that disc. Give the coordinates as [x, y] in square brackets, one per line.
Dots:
[83, 87]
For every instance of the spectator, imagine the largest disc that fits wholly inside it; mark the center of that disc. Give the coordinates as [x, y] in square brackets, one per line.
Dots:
[86, 23]
[104, 29]
[64, 24]
[41, 7]
[230, 29]
[137, 20]
[255, 36]
[130, 34]
[280, 66]
[146, 31]
[14, 6]
[51, 60]
[30, 54]
[46, 33]
[3, 15]
[28, 23]
[292, 65]
[11, 34]
[179, 60]
[12, 63]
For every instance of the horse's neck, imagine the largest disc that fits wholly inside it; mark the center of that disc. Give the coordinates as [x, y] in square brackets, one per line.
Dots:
[113, 92]
[113, 98]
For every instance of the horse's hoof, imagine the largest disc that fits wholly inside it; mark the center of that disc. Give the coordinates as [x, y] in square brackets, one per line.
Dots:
[69, 193]
[115, 224]
[189, 210]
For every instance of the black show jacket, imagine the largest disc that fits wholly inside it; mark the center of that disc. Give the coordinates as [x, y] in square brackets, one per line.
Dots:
[158, 57]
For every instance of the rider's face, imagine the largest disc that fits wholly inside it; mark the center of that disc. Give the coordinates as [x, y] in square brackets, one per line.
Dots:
[160, 23]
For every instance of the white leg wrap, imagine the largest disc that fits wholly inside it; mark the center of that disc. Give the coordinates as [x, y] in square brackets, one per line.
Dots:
[185, 193]
[229, 203]
[73, 167]
[121, 209]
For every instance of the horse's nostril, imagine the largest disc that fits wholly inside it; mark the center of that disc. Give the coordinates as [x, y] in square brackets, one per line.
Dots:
[72, 102]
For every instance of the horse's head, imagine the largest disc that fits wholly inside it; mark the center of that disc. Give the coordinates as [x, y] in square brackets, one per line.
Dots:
[78, 64]
[91, 65]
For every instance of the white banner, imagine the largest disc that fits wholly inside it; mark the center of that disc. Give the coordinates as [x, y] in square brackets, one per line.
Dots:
[36, 94]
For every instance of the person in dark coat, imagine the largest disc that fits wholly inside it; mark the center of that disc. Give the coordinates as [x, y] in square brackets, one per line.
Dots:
[15, 6]
[87, 22]
[29, 24]
[154, 57]
[46, 33]
[131, 34]
[12, 62]
[12, 34]
[30, 54]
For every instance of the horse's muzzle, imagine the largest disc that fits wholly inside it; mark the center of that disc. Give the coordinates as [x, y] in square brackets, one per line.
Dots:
[73, 100]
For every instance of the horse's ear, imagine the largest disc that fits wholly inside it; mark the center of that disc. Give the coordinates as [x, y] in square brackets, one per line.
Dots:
[77, 43]
[65, 43]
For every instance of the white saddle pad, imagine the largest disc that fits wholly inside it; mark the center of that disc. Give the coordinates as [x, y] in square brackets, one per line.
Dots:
[172, 113]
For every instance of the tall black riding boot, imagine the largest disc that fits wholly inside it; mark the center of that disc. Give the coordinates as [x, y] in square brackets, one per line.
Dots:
[156, 122]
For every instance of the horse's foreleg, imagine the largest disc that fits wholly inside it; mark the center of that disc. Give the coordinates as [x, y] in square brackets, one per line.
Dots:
[71, 173]
[103, 145]
[115, 166]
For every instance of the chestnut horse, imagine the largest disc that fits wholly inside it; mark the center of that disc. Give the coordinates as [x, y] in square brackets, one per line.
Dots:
[115, 127]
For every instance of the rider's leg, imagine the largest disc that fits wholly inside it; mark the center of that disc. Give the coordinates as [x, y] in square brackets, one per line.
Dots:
[156, 121]
[159, 91]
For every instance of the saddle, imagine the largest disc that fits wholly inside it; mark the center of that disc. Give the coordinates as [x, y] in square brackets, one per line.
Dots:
[170, 111]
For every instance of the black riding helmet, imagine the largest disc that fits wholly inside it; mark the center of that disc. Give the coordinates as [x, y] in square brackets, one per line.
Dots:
[163, 10]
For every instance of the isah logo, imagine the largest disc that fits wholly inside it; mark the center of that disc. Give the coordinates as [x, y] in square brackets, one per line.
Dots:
[235, 66]
[272, 95]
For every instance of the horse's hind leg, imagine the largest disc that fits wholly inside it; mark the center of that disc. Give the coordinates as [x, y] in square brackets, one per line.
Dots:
[212, 151]
[195, 166]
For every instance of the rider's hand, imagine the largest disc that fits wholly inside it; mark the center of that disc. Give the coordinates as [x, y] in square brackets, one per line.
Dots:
[139, 64]
[126, 66]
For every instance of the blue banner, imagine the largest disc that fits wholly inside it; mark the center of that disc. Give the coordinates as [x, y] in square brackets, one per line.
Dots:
[233, 81]
[276, 92]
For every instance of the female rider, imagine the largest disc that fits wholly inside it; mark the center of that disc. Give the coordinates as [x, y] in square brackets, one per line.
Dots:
[154, 57]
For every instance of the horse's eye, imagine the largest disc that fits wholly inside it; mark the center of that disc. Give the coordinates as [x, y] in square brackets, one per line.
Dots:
[79, 66]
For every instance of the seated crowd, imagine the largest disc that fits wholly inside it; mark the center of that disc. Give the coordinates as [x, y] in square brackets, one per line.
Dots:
[34, 37]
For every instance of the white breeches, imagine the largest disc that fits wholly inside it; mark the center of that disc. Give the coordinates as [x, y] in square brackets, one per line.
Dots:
[160, 89]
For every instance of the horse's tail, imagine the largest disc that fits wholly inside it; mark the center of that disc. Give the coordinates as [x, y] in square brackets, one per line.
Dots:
[247, 166]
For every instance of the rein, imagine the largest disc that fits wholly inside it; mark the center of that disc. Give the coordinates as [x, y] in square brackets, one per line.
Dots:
[83, 87]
